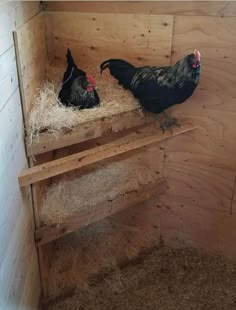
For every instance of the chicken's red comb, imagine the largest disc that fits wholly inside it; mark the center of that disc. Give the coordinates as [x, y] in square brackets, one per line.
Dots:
[91, 79]
[197, 54]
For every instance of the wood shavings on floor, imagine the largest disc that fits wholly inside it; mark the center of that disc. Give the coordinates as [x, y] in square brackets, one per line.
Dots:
[82, 256]
[168, 279]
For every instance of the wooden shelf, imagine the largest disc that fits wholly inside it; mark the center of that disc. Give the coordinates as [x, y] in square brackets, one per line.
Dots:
[48, 141]
[139, 138]
[102, 210]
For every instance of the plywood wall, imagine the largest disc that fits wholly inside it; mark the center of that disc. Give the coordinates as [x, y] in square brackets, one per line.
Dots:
[94, 37]
[31, 49]
[183, 8]
[19, 275]
[201, 166]
[198, 209]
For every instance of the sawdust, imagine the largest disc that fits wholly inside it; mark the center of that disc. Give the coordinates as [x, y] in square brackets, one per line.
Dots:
[48, 114]
[96, 249]
[168, 279]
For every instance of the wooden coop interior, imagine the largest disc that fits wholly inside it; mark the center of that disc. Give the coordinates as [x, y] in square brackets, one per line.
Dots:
[113, 187]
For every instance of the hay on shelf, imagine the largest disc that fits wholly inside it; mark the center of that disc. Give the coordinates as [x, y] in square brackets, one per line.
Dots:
[73, 196]
[48, 113]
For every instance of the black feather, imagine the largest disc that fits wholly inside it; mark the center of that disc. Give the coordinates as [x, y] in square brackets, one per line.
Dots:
[156, 88]
[74, 87]
[122, 70]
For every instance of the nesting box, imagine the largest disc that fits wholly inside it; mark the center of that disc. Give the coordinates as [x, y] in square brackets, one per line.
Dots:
[85, 172]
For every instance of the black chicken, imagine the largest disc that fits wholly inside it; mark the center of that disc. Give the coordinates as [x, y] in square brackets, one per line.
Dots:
[158, 88]
[78, 88]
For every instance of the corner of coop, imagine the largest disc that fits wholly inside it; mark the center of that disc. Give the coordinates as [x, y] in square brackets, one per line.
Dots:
[86, 177]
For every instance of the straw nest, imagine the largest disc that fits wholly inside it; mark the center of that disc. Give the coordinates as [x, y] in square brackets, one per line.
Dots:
[70, 196]
[48, 113]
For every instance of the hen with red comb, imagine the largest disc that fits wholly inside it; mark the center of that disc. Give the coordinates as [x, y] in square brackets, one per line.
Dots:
[78, 88]
[158, 88]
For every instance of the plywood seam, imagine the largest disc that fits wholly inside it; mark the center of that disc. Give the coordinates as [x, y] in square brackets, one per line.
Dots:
[47, 33]
[28, 20]
[19, 73]
[232, 198]
[7, 50]
[172, 39]
[226, 5]
[12, 94]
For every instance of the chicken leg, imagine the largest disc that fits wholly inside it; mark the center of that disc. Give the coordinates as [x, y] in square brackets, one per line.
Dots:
[168, 123]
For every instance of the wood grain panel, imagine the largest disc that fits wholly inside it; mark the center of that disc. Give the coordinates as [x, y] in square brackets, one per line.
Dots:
[18, 257]
[194, 226]
[214, 8]
[12, 15]
[31, 287]
[15, 268]
[11, 136]
[201, 165]
[200, 180]
[213, 104]
[233, 199]
[142, 39]
[30, 40]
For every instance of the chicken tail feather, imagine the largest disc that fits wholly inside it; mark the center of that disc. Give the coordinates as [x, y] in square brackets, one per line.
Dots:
[120, 69]
[104, 66]
[70, 59]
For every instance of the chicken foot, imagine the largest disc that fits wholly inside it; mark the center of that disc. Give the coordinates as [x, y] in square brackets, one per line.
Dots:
[168, 123]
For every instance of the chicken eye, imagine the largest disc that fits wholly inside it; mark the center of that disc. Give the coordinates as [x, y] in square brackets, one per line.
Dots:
[84, 84]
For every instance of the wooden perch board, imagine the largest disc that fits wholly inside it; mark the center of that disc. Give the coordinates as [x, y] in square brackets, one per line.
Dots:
[47, 234]
[135, 140]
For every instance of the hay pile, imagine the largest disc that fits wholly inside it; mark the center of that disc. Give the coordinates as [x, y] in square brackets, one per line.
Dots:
[73, 196]
[48, 114]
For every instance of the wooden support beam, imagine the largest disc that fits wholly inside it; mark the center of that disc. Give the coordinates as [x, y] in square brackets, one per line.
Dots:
[191, 8]
[102, 210]
[135, 140]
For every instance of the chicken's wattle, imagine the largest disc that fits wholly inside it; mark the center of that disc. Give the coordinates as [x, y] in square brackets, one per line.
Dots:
[91, 84]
